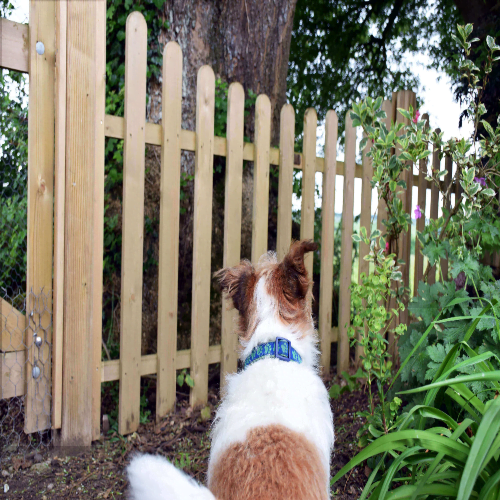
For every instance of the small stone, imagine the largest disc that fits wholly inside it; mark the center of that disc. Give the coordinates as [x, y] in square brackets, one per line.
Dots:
[11, 448]
[105, 424]
[44, 497]
[5, 473]
[37, 458]
[41, 467]
[11, 469]
[50, 486]
[5, 488]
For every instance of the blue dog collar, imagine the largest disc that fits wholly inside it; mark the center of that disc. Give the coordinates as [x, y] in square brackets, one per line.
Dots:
[279, 349]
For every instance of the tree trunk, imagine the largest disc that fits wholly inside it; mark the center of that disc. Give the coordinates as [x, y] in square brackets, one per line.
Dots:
[246, 41]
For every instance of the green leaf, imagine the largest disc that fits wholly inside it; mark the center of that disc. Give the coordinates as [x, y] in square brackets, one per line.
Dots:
[489, 427]
[491, 376]
[405, 113]
[400, 440]
[488, 192]
[189, 380]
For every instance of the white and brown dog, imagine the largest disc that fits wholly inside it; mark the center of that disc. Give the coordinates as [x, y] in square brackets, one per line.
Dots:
[273, 433]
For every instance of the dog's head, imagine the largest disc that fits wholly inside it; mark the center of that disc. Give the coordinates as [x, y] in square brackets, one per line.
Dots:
[271, 291]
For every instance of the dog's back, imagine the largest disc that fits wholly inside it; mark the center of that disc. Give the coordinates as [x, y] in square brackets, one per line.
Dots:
[273, 433]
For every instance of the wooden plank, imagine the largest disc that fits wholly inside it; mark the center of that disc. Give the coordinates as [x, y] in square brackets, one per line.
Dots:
[133, 223]
[59, 204]
[111, 369]
[422, 201]
[12, 327]
[431, 278]
[346, 246]
[114, 127]
[202, 234]
[83, 220]
[285, 181]
[406, 98]
[260, 212]
[365, 221]
[232, 218]
[308, 183]
[98, 231]
[327, 239]
[448, 165]
[169, 228]
[12, 374]
[40, 212]
[382, 208]
[14, 46]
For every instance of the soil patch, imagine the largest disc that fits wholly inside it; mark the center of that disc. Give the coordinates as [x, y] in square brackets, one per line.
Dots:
[182, 437]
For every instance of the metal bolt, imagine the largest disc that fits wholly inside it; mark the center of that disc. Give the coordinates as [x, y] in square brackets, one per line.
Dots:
[40, 48]
[38, 341]
[36, 372]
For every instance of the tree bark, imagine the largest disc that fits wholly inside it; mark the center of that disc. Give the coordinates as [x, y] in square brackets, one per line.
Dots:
[246, 41]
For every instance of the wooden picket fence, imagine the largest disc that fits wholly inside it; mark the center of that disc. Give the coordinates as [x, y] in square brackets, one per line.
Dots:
[76, 408]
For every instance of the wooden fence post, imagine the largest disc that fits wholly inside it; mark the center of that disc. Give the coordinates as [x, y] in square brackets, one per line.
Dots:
[404, 99]
[133, 223]
[202, 233]
[448, 165]
[422, 201]
[346, 246]
[168, 270]
[365, 221]
[431, 278]
[285, 185]
[232, 218]
[83, 212]
[308, 183]
[260, 212]
[40, 209]
[327, 239]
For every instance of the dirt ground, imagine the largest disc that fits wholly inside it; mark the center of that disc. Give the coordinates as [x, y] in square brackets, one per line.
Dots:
[182, 437]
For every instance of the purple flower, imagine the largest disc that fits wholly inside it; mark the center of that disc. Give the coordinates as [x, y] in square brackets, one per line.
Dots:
[418, 213]
[481, 180]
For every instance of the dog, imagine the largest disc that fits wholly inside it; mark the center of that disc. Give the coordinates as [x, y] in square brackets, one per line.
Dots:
[273, 434]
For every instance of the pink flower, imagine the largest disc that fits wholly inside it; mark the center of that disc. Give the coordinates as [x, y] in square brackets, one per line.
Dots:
[417, 116]
[387, 247]
[418, 213]
[481, 180]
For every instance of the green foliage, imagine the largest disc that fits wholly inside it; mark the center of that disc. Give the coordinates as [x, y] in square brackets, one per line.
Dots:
[185, 377]
[13, 188]
[430, 452]
[344, 50]
[446, 333]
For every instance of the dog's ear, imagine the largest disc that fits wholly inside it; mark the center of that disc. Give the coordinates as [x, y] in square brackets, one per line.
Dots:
[297, 280]
[238, 283]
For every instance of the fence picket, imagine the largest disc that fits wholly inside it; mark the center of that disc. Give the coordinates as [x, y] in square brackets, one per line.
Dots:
[232, 218]
[285, 186]
[405, 99]
[365, 221]
[422, 201]
[308, 183]
[261, 177]
[431, 278]
[202, 233]
[168, 273]
[448, 165]
[382, 208]
[327, 239]
[133, 223]
[346, 246]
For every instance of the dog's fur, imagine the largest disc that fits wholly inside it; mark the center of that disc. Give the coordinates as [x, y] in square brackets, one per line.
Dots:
[273, 433]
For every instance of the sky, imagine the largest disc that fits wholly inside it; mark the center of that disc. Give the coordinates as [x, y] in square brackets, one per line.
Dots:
[435, 91]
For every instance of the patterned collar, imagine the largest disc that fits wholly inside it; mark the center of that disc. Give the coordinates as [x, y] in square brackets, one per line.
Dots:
[280, 349]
